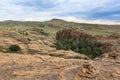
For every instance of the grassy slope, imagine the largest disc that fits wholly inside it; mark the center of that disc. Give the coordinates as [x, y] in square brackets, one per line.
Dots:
[54, 25]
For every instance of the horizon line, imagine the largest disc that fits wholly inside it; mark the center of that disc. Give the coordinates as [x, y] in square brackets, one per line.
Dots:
[73, 19]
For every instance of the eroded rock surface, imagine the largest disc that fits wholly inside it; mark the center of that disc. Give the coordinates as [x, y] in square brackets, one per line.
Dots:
[45, 67]
[39, 61]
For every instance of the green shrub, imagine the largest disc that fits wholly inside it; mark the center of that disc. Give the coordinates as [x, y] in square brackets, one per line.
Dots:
[81, 42]
[89, 48]
[14, 48]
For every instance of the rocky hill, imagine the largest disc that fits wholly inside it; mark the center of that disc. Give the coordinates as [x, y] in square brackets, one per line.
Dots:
[29, 53]
[57, 24]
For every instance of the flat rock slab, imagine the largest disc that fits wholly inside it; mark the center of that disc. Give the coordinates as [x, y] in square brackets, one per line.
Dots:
[45, 67]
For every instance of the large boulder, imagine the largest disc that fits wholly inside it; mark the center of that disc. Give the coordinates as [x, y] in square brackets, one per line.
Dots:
[73, 34]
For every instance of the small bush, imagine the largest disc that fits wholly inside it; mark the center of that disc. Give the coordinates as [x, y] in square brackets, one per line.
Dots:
[85, 44]
[82, 46]
[14, 48]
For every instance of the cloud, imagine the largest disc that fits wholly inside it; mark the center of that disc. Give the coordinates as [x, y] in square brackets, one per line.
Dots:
[48, 9]
[107, 11]
[98, 21]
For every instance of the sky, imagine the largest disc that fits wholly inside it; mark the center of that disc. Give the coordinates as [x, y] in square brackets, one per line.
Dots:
[70, 10]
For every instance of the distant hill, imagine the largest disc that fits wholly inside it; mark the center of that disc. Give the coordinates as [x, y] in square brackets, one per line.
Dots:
[58, 23]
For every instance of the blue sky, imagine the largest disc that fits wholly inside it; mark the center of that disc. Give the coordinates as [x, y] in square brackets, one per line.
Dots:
[40, 10]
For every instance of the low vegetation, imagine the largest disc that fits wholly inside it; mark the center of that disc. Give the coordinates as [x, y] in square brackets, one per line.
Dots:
[56, 24]
[14, 48]
[77, 41]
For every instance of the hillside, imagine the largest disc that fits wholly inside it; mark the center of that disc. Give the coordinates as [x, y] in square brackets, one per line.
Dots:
[28, 51]
[57, 24]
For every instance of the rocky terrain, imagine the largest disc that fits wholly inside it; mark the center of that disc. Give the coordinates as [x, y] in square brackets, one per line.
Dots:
[39, 60]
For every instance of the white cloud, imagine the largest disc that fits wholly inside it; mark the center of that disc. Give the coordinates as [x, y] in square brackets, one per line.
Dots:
[62, 9]
[74, 19]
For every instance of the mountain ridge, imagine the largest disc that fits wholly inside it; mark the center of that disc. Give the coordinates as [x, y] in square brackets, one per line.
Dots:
[59, 20]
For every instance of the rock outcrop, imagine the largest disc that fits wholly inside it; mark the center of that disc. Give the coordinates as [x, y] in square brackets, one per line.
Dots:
[39, 61]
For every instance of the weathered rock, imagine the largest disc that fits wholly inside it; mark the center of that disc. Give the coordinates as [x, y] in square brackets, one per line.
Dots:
[36, 31]
[4, 47]
[88, 70]
[114, 36]
[74, 34]
[52, 64]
